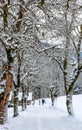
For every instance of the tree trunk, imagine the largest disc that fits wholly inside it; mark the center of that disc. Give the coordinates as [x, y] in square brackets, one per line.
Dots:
[23, 101]
[4, 98]
[69, 104]
[52, 99]
[23, 106]
[15, 103]
[52, 102]
[17, 87]
[3, 113]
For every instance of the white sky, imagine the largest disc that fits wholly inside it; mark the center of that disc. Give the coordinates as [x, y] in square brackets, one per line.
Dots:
[47, 117]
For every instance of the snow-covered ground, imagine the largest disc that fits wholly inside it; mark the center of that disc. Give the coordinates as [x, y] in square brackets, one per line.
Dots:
[38, 117]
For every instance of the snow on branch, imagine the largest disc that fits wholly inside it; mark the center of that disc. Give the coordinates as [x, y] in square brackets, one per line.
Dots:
[59, 63]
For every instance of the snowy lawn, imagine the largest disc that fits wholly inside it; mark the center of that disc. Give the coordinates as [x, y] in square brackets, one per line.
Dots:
[46, 117]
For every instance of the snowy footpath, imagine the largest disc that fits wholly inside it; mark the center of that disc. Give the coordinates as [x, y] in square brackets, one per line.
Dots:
[45, 117]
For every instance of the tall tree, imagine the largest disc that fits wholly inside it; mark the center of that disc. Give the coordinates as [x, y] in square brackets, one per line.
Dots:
[61, 22]
[7, 75]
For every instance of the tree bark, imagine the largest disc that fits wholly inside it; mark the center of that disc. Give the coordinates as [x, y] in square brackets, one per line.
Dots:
[23, 101]
[4, 99]
[69, 104]
[17, 87]
[3, 113]
[52, 98]
[15, 103]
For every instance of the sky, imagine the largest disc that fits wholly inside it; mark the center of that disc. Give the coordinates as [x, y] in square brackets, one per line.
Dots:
[46, 117]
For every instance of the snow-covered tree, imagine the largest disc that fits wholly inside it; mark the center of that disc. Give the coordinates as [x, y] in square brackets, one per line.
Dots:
[16, 21]
[28, 26]
[62, 19]
[53, 92]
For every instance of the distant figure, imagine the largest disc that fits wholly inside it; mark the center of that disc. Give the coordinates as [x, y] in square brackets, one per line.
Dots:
[43, 101]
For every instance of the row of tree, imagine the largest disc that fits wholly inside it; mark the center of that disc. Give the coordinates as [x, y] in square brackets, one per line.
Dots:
[25, 27]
